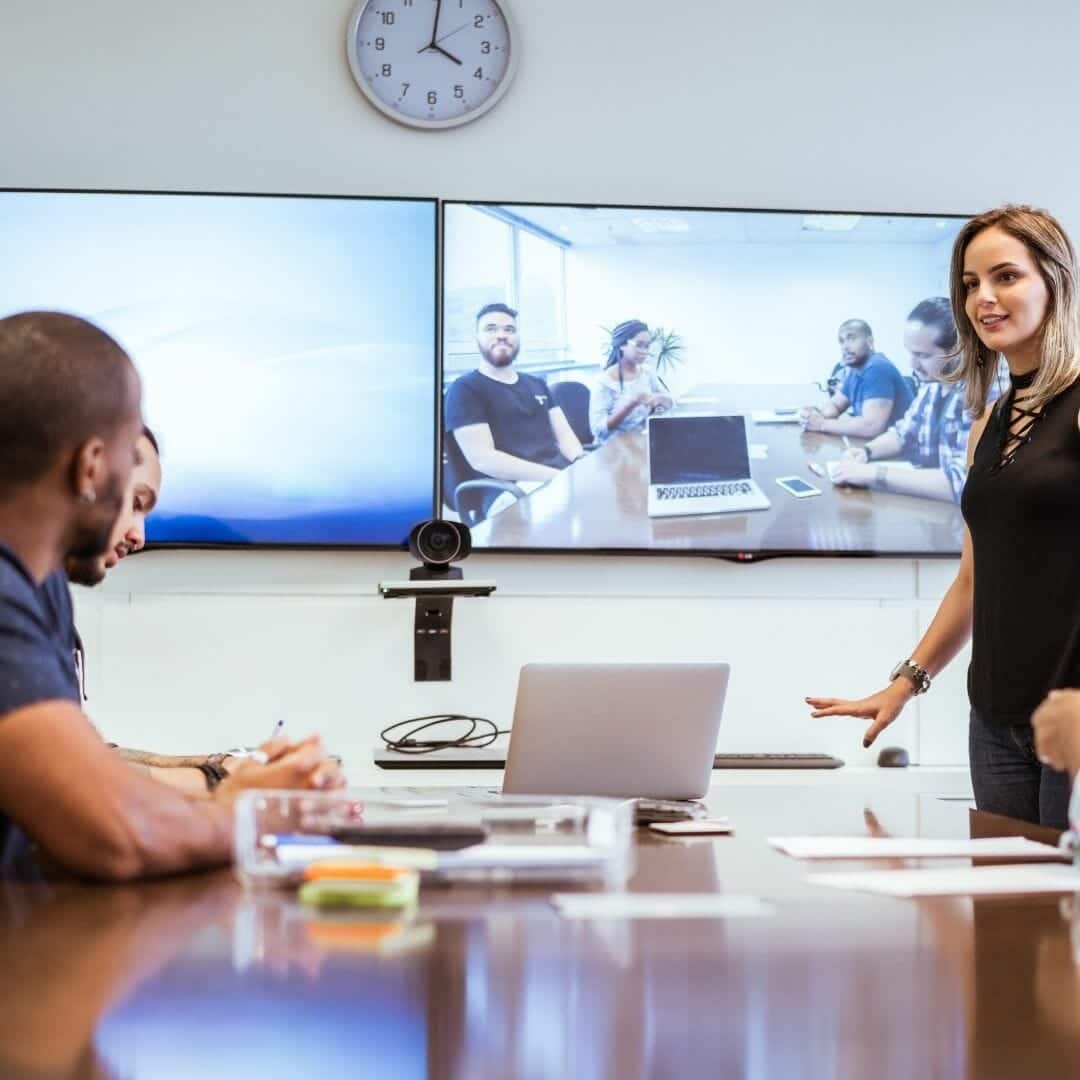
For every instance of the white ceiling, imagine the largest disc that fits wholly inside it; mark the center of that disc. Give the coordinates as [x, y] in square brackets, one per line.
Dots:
[611, 226]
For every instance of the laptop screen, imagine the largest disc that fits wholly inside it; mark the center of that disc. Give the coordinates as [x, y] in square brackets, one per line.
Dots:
[697, 449]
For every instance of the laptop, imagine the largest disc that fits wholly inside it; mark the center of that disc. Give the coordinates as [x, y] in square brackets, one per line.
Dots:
[700, 465]
[628, 730]
[643, 731]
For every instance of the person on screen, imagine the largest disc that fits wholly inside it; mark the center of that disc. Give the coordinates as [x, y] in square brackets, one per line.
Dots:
[933, 434]
[505, 421]
[627, 391]
[193, 773]
[1015, 292]
[873, 394]
[70, 420]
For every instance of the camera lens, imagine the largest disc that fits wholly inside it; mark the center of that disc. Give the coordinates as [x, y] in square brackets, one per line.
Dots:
[438, 542]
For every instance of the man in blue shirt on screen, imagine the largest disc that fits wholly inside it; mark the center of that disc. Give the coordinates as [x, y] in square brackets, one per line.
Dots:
[505, 421]
[873, 394]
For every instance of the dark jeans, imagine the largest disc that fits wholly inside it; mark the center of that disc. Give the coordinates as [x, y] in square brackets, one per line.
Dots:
[1009, 779]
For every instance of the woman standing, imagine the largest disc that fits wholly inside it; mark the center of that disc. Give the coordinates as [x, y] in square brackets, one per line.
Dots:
[627, 391]
[1014, 291]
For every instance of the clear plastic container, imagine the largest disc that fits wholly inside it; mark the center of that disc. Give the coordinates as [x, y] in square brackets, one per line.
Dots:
[523, 839]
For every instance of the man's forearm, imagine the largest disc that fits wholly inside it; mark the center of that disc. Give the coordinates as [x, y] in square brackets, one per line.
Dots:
[161, 761]
[502, 466]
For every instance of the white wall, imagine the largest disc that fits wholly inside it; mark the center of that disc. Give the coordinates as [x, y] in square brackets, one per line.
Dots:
[759, 313]
[840, 105]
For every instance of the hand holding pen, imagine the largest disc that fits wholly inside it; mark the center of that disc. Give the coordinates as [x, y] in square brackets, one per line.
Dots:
[298, 766]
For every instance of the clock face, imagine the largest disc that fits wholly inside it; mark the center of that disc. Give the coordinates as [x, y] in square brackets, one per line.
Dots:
[431, 63]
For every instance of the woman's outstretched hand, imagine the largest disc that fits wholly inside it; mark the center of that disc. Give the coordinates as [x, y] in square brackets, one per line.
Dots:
[881, 708]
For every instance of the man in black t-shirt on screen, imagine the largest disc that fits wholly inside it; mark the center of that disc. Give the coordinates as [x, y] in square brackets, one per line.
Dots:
[504, 421]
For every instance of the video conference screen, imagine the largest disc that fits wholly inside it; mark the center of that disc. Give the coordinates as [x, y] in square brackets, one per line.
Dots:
[569, 329]
[286, 347]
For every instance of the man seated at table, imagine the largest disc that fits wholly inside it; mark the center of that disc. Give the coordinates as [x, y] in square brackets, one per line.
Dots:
[873, 394]
[933, 434]
[505, 421]
[193, 773]
[69, 422]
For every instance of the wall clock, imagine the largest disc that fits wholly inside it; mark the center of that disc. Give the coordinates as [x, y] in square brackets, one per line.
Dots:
[432, 63]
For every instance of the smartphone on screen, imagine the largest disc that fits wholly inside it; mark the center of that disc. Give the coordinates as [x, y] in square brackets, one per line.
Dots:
[797, 486]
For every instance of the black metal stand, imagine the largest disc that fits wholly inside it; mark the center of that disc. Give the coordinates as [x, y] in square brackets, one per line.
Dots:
[431, 645]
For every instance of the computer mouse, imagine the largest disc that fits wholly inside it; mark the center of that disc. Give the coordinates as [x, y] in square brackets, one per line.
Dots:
[893, 757]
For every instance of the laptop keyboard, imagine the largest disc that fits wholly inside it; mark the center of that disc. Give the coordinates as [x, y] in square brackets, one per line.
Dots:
[697, 491]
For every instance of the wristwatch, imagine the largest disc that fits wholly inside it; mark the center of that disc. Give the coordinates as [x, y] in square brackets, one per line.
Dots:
[911, 671]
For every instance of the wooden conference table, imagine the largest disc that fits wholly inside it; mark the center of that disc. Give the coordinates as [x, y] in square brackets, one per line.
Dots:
[194, 977]
[600, 502]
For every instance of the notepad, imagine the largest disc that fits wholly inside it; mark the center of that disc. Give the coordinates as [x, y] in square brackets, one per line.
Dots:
[916, 847]
[957, 881]
[659, 906]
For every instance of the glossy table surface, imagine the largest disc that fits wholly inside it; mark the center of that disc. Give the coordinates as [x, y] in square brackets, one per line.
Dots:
[600, 502]
[194, 976]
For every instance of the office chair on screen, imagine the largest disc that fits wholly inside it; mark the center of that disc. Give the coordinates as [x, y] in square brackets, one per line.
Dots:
[573, 398]
[465, 491]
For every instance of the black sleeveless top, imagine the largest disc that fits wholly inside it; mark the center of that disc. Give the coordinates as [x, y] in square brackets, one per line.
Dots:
[1023, 517]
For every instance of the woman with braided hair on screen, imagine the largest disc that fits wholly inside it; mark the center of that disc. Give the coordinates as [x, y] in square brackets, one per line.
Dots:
[627, 391]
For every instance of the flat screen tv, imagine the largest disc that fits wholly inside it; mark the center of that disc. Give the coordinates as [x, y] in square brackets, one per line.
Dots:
[286, 346]
[618, 336]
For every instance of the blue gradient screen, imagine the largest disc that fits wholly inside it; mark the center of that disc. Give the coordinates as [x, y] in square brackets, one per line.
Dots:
[286, 347]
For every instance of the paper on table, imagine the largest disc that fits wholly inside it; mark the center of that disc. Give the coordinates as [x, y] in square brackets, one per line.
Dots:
[916, 847]
[957, 881]
[658, 906]
[775, 416]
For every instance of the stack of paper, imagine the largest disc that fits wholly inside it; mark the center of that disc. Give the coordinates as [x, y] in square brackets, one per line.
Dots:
[958, 881]
[918, 847]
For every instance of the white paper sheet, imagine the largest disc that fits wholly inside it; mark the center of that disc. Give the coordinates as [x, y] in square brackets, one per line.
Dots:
[957, 881]
[771, 416]
[916, 847]
[659, 906]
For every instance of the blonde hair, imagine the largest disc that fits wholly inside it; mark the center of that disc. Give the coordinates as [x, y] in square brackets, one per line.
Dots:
[1053, 254]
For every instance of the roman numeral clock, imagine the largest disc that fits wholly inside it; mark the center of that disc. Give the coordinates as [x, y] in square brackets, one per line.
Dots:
[432, 63]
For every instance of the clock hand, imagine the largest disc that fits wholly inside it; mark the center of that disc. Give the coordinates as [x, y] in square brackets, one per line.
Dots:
[435, 25]
[439, 48]
[451, 34]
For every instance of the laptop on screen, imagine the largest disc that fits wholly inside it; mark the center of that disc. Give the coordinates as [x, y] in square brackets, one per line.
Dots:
[700, 465]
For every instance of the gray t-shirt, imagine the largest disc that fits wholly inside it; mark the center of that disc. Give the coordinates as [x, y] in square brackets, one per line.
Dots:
[37, 646]
[608, 396]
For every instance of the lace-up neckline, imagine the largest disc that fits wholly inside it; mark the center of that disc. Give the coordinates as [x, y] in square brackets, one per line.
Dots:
[1019, 423]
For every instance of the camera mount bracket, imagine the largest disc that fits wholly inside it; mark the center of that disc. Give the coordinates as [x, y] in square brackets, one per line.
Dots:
[434, 614]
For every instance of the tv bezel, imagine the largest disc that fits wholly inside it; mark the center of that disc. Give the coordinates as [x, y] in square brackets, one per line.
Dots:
[436, 405]
[732, 555]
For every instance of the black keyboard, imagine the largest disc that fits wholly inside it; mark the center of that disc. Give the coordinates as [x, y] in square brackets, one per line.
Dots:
[698, 491]
[776, 761]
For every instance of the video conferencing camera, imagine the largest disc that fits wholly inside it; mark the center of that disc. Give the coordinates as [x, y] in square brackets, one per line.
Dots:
[437, 544]
[434, 584]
